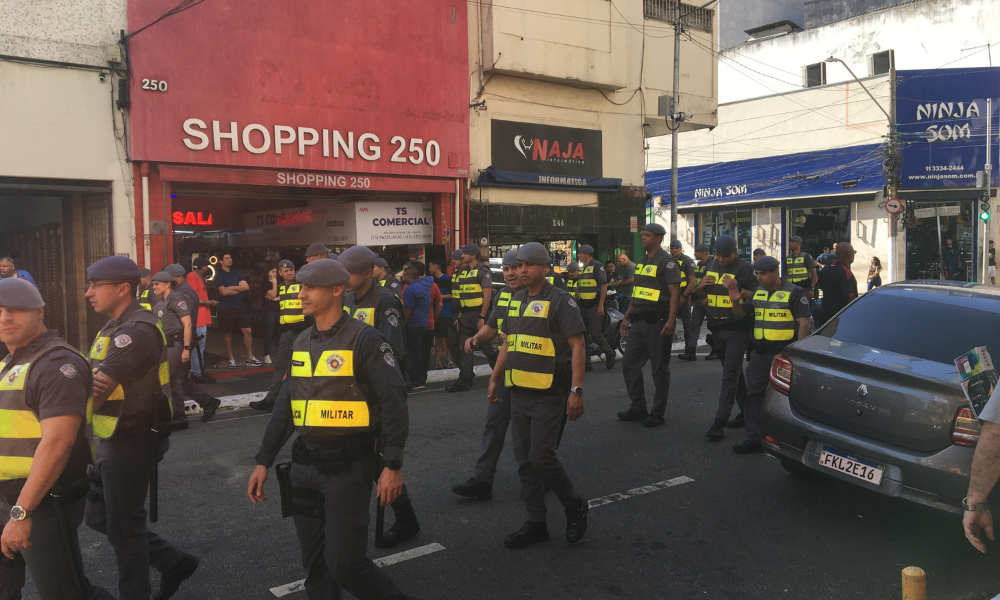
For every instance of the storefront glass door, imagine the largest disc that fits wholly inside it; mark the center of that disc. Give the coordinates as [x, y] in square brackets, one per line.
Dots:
[820, 228]
[930, 226]
[728, 222]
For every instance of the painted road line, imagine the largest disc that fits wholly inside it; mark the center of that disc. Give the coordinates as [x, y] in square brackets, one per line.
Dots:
[639, 491]
[385, 561]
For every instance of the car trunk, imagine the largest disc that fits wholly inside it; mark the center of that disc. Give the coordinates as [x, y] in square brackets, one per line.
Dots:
[894, 398]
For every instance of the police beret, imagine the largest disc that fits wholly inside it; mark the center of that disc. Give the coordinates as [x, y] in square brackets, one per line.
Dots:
[795, 238]
[510, 258]
[116, 268]
[533, 253]
[766, 263]
[655, 229]
[381, 262]
[470, 249]
[175, 270]
[573, 267]
[725, 244]
[759, 251]
[316, 249]
[164, 277]
[144, 272]
[287, 263]
[702, 248]
[324, 273]
[333, 256]
[16, 292]
[357, 259]
[676, 244]
[456, 255]
[201, 261]
[586, 249]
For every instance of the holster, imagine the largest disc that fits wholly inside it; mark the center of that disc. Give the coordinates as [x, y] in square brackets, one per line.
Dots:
[173, 338]
[562, 378]
[303, 502]
[334, 457]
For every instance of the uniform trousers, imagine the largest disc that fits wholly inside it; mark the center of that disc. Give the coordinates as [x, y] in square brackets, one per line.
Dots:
[282, 363]
[177, 374]
[730, 345]
[116, 507]
[684, 314]
[646, 344]
[53, 556]
[697, 319]
[453, 339]
[758, 378]
[333, 547]
[467, 328]
[595, 326]
[535, 421]
[191, 389]
[497, 421]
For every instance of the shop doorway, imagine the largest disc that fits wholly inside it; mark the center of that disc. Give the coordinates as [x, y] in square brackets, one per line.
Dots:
[736, 223]
[820, 228]
[929, 227]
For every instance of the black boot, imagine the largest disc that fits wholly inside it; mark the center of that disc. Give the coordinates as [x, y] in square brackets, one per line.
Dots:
[632, 415]
[171, 580]
[688, 355]
[736, 423]
[576, 521]
[712, 356]
[475, 489]
[405, 527]
[210, 408]
[749, 446]
[529, 533]
[262, 405]
[458, 386]
[610, 360]
[717, 431]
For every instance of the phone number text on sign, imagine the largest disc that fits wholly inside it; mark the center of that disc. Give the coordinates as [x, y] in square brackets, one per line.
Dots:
[327, 181]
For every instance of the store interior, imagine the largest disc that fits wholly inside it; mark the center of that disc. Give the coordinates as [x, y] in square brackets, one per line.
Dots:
[929, 226]
[820, 228]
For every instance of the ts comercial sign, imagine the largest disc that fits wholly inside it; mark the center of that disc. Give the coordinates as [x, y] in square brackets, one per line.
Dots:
[391, 223]
[546, 149]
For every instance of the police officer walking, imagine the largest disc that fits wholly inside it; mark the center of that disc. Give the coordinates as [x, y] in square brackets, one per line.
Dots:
[541, 363]
[476, 295]
[480, 485]
[146, 289]
[45, 392]
[377, 306]
[592, 288]
[687, 267]
[131, 406]
[291, 322]
[573, 279]
[174, 313]
[729, 333]
[800, 268]
[387, 279]
[696, 305]
[349, 396]
[780, 311]
[454, 337]
[649, 325]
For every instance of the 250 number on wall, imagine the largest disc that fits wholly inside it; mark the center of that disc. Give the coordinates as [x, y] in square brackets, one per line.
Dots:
[154, 85]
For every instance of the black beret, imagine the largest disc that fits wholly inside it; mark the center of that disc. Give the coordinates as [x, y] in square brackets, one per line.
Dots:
[316, 249]
[116, 268]
[725, 244]
[655, 229]
[795, 238]
[510, 258]
[534, 253]
[163, 277]
[16, 292]
[323, 273]
[702, 248]
[358, 259]
[470, 249]
[586, 249]
[759, 251]
[676, 244]
[287, 263]
[456, 255]
[201, 261]
[766, 263]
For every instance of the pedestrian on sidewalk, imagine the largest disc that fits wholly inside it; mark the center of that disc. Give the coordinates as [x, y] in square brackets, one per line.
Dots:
[269, 294]
[436, 269]
[9, 270]
[233, 313]
[196, 279]
[417, 312]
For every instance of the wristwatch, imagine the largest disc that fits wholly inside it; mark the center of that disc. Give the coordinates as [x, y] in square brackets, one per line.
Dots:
[187, 347]
[981, 506]
[17, 513]
[578, 390]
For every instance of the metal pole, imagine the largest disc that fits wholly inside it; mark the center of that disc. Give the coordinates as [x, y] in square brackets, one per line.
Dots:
[989, 177]
[893, 219]
[676, 122]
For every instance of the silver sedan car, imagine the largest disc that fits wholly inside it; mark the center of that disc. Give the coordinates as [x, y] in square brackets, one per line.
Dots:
[874, 398]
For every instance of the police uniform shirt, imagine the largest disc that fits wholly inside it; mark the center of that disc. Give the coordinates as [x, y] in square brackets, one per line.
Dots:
[193, 301]
[599, 275]
[807, 263]
[58, 385]
[687, 270]
[740, 270]
[668, 272]
[798, 303]
[557, 280]
[134, 350]
[565, 319]
[392, 284]
[379, 380]
[485, 277]
[171, 311]
[388, 315]
[497, 312]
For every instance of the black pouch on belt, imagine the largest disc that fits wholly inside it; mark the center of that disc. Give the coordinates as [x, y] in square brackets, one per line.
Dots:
[333, 459]
[297, 501]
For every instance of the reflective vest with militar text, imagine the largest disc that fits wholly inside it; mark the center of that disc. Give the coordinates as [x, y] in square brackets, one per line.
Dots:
[289, 305]
[531, 353]
[773, 320]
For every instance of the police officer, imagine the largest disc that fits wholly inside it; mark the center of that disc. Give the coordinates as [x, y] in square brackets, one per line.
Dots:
[458, 271]
[758, 253]
[348, 389]
[649, 325]
[800, 267]
[592, 288]
[45, 393]
[696, 304]
[686, 264]
[729, 333]
[291, 322]
[781, 315]
[146, 285]
[477, 293]
[387, 279]
[553, 278]
[572, 278]
[377, 306]
[174, 312]
[542, 335]
[131, 402]
[480, 485]
[316, 251]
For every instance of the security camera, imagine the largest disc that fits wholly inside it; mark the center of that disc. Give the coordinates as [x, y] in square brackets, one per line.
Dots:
[101, 77]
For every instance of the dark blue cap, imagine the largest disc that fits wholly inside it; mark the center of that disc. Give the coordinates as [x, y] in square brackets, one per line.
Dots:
[115, 268]
[586, 249]
[358, 259]
[163, 277]
[456, 255]
[316, 249]
[323, 273]
[676, 244]
[533, 253]
[470, 249]
[510, 258]
[572, 267]
[144, 272]
[766, 263]
[725, 244]
[201, 261]
[759, 251]
[175, 270]
[655, 229]
[333, 256]
[17, 292]
[287, 263]
[702, 248]
[795, 238]
[381, 262]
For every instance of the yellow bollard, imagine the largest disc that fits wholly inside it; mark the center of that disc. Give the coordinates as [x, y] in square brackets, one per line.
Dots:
[914, 584]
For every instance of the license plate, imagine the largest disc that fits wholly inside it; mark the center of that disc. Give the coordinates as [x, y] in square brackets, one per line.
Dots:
[848, 464]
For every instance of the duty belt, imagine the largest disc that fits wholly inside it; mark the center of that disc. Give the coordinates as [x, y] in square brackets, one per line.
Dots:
[733, 324]
[651, 317]
[332, 458]
[172, 338]
[296, 327]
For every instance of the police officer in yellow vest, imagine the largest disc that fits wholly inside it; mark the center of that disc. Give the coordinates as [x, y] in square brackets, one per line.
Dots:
[477, 295]
[687, 267]
[480, 485]
[781, 315]
[131, 404]
[592, 288]
[800, 267]
[696, 304]
[454, 338]
[572, 278]
[44, 451]
[649, 325]
[291, 322]
[146, 285]
[541, 363]
[346, 393]
[729, 332]
[377, 306]
[385, 278]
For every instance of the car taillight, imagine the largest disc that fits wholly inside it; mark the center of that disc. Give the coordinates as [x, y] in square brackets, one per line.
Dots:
[781, 374]
[965, 431]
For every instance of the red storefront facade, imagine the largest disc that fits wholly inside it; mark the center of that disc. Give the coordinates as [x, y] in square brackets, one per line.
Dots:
[254, 125]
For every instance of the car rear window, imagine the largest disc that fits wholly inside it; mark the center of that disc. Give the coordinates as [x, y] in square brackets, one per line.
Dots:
[929, 325]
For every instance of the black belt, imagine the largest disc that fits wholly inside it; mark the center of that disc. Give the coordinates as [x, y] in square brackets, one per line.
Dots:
[651, 317]
[296, 327]
[174, 337]
[730, 324]
[334, 456]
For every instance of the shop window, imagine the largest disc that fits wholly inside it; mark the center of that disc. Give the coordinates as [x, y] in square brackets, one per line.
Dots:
[929, 228]
[814, 75]
[820, 228]
[736, 223]
[881, 63]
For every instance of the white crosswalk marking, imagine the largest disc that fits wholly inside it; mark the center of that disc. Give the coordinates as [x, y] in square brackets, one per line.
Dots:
[639, 491]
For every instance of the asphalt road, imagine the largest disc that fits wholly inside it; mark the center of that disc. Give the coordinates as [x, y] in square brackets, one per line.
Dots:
[742, 529]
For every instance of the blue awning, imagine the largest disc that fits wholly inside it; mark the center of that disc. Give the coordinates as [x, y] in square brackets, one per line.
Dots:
[490, 177]
[802, 175]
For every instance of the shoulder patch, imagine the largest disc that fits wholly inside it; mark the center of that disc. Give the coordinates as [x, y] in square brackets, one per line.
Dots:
[159, 314]
[122, 340]
[804, 300]
[671, 265]
[393, 320]
[183, 305]
[572, 302]
[68, 370]
[389, 360]
[385, 347]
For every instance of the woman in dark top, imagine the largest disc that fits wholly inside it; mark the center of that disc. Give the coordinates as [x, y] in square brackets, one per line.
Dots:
[874, 273]
[269, 290]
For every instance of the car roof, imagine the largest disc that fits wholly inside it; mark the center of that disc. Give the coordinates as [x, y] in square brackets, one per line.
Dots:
[948, 288]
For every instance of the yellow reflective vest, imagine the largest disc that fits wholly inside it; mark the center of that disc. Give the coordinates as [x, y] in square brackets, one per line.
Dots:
[531, 354]
[289, 305]
[773, 320]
